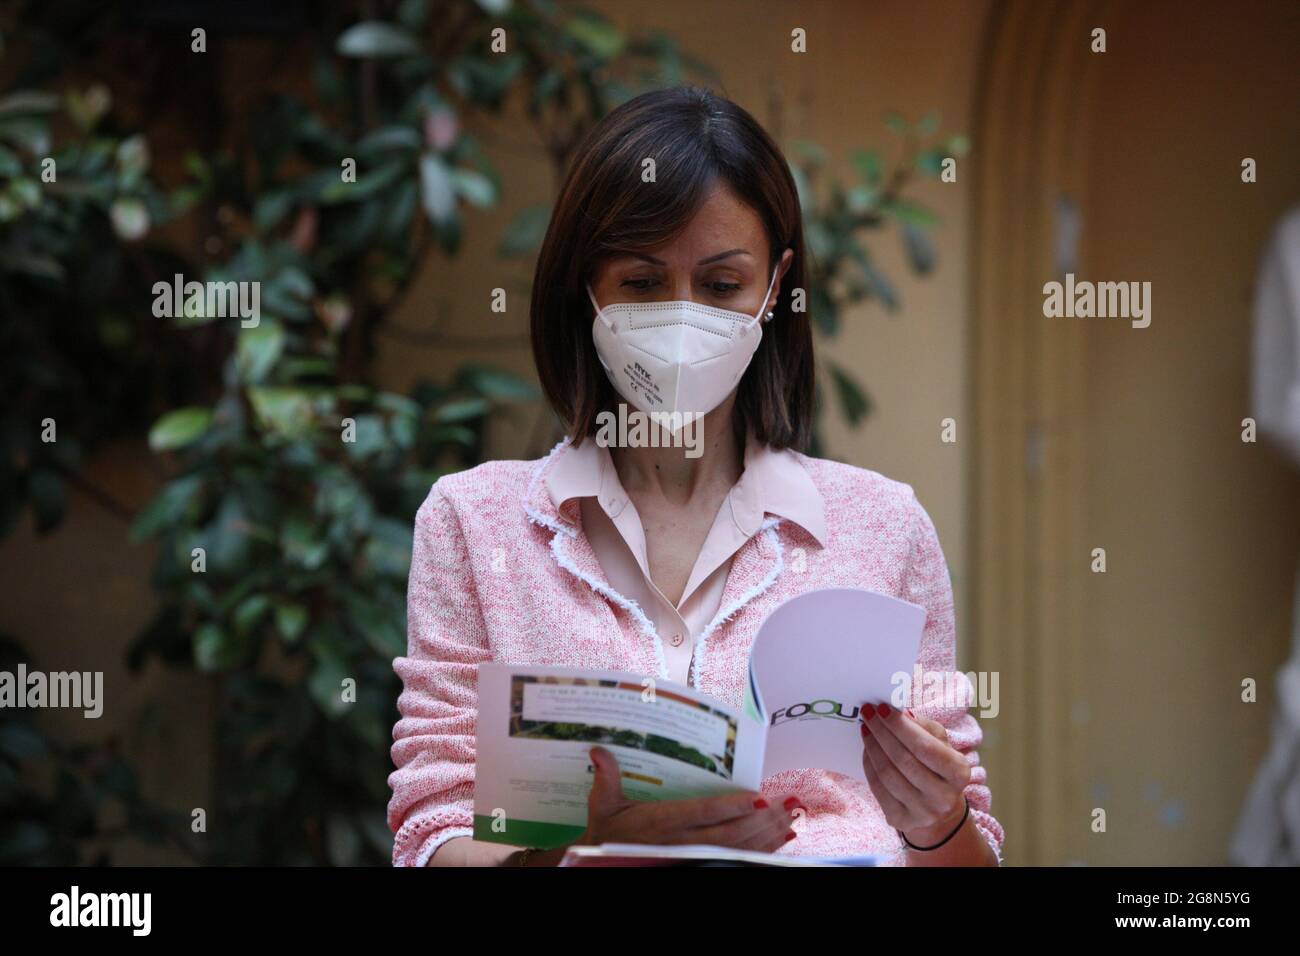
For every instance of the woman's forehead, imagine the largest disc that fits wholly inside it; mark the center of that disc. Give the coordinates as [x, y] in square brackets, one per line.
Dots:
[722, 229]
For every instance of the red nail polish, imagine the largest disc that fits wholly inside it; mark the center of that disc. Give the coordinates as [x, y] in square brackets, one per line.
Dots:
[910, 714]
[868, 711]
[789, 836]
[760, 804]
[791, 803]
[884, 710]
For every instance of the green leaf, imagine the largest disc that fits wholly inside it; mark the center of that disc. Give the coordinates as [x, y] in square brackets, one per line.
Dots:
[250, 611]
[524, 234]
[453, 435]
[212, 651]
[596, 34]
[920, 251]
[302, 544]
[367, 184]
[388, 552]
[437, 190]
[477, 189]
[815, 153]
[398, 404]
[381, 627]
[867, 163]
[290, 620]
[822, 310]
[271, 207]
[461, 410]
[853, 400]
[497, 383]
[905, 210]
[258, 349]
[370, 437]
[24, 102]
[326, 686]
[401, 138]
[178, 428]
[169, 507]
[130, 219]
[282, 411]
[862, 199]
[374, 38]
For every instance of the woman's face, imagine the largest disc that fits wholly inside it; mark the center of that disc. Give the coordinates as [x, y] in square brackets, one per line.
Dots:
[720, 259]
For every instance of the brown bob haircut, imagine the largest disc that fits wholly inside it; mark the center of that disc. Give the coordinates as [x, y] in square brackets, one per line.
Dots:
[697, 139]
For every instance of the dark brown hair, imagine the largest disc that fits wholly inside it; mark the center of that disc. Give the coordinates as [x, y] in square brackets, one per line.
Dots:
[696, 139]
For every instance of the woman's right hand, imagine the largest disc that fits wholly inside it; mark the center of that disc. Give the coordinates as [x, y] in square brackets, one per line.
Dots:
[742, 820]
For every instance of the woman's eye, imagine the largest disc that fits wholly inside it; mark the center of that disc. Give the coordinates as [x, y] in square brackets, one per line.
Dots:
[638, 285]
[723, 288]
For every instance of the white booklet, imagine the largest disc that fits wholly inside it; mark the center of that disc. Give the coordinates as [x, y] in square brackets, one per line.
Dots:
[814, 661]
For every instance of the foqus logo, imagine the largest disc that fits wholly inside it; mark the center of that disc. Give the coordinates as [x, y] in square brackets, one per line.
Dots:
[817, 710]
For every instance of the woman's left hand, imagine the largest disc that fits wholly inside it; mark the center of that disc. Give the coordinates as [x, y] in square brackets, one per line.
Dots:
[918, 777]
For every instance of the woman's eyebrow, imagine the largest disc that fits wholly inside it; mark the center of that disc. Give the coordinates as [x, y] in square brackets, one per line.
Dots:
[703, 262]
[723, 255]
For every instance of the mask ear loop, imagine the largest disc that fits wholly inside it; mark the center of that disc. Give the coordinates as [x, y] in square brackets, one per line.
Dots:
[763, 304]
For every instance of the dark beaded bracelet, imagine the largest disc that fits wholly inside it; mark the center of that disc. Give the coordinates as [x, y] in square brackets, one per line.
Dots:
[913, 846]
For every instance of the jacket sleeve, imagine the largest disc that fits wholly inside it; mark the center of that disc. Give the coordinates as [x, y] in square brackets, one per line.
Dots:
[929, 585]
[433, 739]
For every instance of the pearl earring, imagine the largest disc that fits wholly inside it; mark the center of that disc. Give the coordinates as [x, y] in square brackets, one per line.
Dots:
[770, 316]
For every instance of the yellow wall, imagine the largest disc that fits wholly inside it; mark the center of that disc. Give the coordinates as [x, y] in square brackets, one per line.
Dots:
[1202, 531]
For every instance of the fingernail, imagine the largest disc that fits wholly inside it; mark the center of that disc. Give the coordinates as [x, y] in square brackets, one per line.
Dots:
[791, 803]
[866, 731]
[884, 710]
[910, 714]
[760, 804]
[868, 711]
[789, 836]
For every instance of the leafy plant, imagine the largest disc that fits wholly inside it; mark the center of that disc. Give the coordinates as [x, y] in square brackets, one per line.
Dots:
[838, 216]
[58, 801]
[286, 531]
[76, 364]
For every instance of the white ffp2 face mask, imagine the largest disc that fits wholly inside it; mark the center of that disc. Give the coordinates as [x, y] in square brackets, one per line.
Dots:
[675, 357]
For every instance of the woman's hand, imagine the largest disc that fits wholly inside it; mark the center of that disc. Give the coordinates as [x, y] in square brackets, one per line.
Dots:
[742, 820]
[918, 778]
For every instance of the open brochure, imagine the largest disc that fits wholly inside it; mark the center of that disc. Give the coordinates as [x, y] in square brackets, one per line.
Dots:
[814, 660]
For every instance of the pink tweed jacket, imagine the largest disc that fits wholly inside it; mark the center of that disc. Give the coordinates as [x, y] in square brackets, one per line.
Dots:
[498, 573]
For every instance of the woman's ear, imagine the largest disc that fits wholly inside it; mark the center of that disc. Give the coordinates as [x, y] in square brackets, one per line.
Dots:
[782, 266]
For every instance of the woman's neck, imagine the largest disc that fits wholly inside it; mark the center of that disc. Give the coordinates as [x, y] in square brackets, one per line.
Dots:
[669, 473]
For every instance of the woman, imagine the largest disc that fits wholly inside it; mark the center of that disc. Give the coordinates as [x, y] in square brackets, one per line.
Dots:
[672, 279]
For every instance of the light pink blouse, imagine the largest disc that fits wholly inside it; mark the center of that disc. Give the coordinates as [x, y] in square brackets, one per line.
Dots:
[772, 482]
[499, 572]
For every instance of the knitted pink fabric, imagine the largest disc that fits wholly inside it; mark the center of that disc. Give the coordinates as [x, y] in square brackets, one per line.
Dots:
[498, 573]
